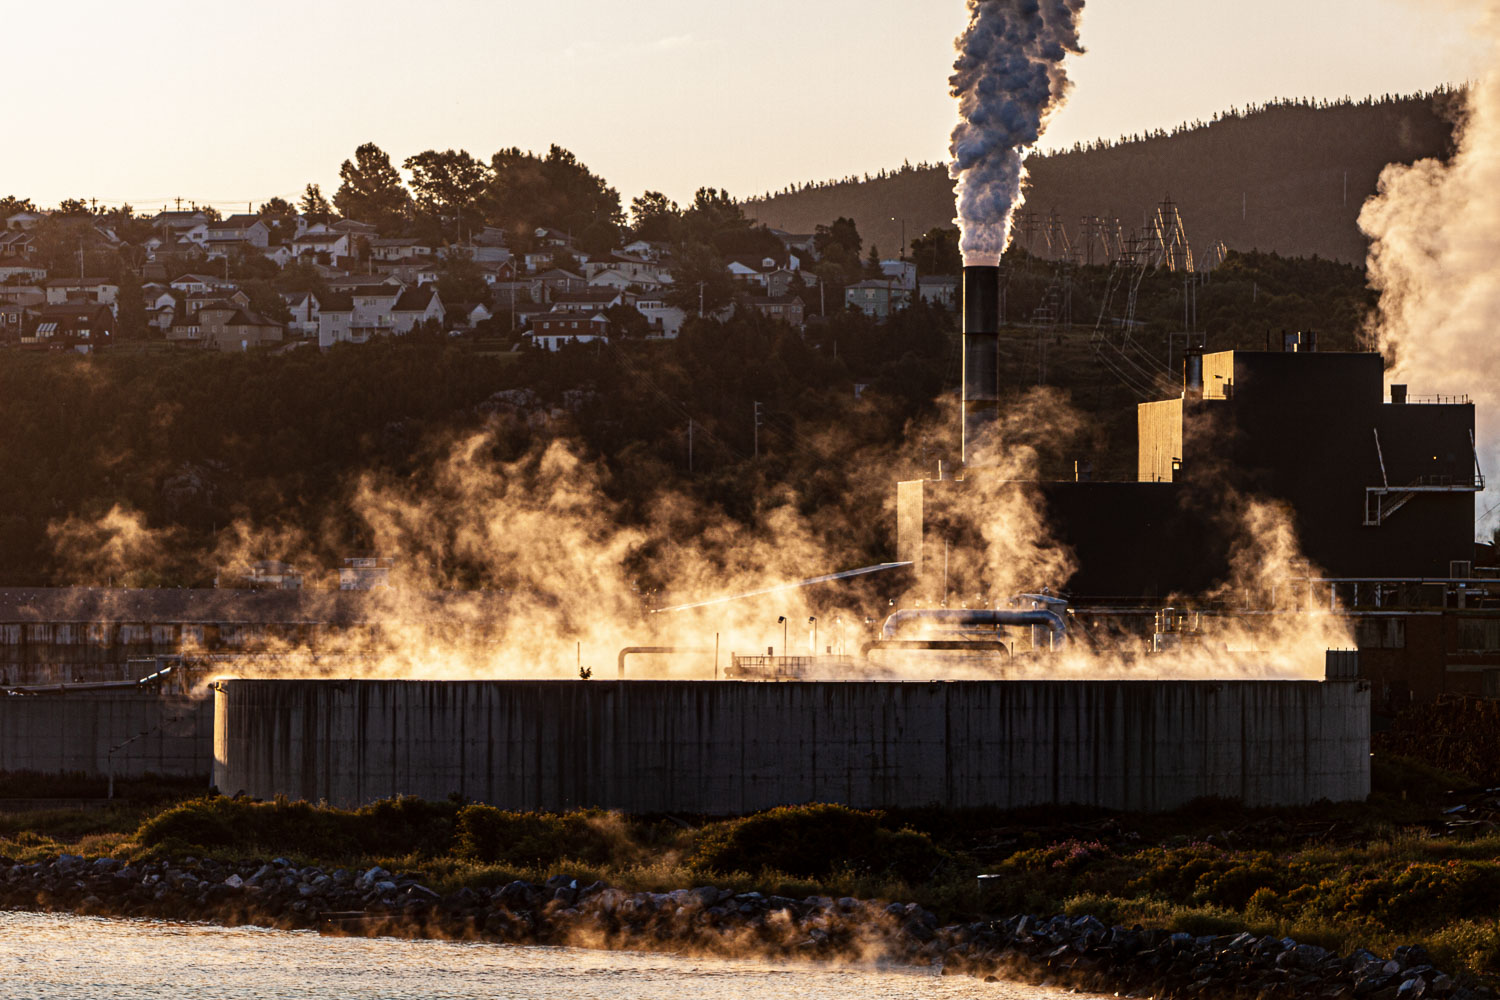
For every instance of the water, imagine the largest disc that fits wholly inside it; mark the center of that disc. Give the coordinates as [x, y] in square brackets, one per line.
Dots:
[55, 956]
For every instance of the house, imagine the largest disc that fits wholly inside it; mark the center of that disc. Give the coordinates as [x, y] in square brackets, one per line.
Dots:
[626, 264]
[618, 282]
[468, 315]
[82, 326]
[646, 249]
[160, 304]
[24, 220]
[366, 573]
[786, 308]
[373, 305]
[903, 272]
[16, 243]
[304, 308]
[229, 327]
[416, 305]
[100, 290]
[332, 244]
[489, 236]
[243, 228]
[194, 304]
[550, 331]
[666, 321]
[875, 296]
[554, 239]
[398, 249]
[589, 300]
[336, 320]
[22, 295]
[557, 281]
[280, 255]
[938, 289]
[14, 320]
[201, 284]
[19, 268]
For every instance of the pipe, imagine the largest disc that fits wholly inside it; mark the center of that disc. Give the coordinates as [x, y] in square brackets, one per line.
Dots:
[653, 649]
[966, 645]
[976, 616]
[981, 377]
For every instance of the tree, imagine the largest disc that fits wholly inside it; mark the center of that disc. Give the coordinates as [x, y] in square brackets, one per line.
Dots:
[10, 205]
[448, 184]
[527, 191]
[700, 280]
[655, 217]
[371, 190]
[460, 279]
[131, 307]
[73, 206]
[265, 300]
[314, 205]
[936, 252]
[843, 234]
[626, 322]
[280, 217]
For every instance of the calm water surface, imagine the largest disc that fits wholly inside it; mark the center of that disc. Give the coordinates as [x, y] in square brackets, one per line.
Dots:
[45, 955]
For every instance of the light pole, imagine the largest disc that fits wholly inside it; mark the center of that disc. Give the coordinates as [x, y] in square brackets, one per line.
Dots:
[782, 622]
[813, 621]
[839, 621]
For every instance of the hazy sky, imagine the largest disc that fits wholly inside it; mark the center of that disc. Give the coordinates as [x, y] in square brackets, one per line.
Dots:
[233, 101]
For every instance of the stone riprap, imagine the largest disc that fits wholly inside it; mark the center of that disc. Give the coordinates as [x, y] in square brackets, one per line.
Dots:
[1078, 951]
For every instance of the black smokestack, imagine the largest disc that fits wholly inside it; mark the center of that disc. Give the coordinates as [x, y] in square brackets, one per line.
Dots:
[981, 332]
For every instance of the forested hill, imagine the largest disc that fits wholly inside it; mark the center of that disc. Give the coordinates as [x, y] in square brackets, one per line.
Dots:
[1267, 178]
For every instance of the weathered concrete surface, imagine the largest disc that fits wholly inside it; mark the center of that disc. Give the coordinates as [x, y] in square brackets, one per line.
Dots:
[731, 747]
[55, 734]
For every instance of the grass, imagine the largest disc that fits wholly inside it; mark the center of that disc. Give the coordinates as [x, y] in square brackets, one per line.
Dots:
[1341, 876]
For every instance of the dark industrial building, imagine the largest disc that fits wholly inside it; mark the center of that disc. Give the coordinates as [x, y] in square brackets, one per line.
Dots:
[1380, 489]
[1377, 489]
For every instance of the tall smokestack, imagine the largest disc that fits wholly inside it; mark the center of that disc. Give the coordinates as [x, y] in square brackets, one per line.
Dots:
[1008, 78]
[981, 331]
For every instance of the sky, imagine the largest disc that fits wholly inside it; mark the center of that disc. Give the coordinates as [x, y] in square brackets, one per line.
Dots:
[233, 102]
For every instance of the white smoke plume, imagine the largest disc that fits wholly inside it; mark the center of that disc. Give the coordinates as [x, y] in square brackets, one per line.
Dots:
[1008, 79]
[1435, 239]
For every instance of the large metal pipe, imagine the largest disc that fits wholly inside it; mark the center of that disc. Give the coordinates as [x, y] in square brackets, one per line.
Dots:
[981, 381]
[976, 617]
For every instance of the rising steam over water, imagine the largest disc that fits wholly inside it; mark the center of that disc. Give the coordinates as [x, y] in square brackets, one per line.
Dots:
[1008, 78]
[46, 956]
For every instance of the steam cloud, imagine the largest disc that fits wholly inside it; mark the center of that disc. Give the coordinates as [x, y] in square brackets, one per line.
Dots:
[1435, 238]
[1008, 79]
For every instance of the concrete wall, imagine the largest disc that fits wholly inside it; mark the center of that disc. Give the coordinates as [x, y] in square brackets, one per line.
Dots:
[56, 734]
[731, 747]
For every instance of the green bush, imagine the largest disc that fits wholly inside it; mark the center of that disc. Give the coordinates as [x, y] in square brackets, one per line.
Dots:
[814, 841]
[486, 834]
[386, 828]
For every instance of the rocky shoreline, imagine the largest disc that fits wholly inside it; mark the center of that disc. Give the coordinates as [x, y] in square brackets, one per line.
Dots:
[1077, 951]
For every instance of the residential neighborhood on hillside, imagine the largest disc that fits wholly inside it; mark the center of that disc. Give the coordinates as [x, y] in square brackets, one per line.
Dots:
[280, 279]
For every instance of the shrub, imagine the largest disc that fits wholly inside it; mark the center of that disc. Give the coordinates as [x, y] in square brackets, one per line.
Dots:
[813, 841]
[486, 834]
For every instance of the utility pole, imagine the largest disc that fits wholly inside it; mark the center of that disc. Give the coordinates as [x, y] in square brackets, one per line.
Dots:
[757, 428]
[690, 444]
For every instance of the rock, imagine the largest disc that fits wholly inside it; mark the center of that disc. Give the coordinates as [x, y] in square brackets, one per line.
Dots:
[234, 882]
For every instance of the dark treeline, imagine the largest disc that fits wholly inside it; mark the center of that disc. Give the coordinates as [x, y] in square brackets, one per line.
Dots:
[1288, 176]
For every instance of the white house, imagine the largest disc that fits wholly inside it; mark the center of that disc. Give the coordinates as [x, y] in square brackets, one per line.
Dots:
[332, 243]
[552, 330]
[666, 321]
[416, 305]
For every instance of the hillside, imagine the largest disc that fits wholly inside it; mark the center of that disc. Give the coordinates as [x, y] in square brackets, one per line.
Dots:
[1270, 178]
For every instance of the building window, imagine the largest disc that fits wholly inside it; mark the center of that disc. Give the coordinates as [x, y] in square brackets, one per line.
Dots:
[1381, 633]
[1478, 635]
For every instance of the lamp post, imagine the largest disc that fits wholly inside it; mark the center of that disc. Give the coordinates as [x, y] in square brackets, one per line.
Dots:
[813, 621]
[782, 622]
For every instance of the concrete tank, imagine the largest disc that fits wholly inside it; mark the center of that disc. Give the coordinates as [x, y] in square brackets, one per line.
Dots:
[129, 733]
[732, 747]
